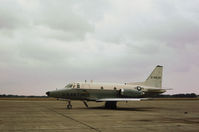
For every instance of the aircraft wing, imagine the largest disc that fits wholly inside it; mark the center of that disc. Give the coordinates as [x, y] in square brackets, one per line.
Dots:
[121, 99]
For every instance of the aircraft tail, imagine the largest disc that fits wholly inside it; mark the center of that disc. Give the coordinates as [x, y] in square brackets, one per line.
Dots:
[155, 78]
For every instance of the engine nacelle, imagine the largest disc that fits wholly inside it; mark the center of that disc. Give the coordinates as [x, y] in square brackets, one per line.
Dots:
[132, 93]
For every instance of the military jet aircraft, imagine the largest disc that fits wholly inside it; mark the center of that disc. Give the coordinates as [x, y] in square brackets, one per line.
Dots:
[111, 93]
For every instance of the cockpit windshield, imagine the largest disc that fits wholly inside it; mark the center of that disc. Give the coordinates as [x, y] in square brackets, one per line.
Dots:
[70, 85]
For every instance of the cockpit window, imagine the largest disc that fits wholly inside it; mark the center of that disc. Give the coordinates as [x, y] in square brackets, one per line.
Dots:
[78, 85]
[69, 85]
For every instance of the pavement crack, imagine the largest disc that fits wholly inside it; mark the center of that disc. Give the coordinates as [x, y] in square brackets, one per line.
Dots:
[83, 123]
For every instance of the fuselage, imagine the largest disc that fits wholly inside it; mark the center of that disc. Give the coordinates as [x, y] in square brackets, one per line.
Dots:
[94, 91]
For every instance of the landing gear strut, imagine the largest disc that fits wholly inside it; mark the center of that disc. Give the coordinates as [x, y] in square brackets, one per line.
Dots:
[111, 105]
[69, 106]
[85, 103]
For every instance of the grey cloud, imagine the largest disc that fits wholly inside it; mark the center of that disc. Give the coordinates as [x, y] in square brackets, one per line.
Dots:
[156, 32]
[58, 17]
[62, 17]
[67, 17]
[168, 22]
[12, 15]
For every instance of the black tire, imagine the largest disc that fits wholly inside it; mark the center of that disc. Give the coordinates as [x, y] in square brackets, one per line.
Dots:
[69, 106]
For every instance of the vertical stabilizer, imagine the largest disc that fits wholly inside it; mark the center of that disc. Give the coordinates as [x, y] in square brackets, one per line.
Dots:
[155, 78]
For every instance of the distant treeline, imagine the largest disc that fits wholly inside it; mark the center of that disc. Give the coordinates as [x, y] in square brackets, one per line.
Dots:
[21, 96]
[188, 95]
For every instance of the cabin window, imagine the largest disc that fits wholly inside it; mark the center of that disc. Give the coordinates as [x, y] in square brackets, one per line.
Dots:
[115, 88]
[69, 85]
[78, 85]
[102, 87]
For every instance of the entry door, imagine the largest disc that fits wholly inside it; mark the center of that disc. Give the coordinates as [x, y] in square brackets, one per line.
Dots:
[85, 86]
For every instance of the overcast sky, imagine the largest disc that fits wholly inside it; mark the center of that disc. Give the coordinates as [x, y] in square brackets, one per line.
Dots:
[46, 44]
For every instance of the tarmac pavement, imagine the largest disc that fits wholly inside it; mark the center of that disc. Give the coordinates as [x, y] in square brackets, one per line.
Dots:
[52, 116]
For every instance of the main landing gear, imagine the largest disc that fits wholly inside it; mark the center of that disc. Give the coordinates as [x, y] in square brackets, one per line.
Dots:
[108, 104]
[111, 105]
[69, 106]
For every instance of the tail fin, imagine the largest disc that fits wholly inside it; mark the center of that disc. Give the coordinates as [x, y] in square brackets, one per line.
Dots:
[155, 78]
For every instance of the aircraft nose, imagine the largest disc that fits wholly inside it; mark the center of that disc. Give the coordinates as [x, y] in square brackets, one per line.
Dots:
[48, 93]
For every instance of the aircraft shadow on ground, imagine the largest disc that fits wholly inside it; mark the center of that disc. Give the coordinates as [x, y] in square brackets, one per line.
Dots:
[121, 108]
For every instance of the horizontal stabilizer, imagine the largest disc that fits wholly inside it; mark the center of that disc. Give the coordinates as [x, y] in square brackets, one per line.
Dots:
[121, 99]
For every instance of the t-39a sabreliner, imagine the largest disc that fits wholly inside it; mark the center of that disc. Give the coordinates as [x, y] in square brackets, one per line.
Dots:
[111, 93]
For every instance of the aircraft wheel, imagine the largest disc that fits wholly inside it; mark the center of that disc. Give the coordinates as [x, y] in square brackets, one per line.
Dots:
[69, 106]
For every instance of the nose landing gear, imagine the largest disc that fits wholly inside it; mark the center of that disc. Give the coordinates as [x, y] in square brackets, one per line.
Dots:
[69, 106]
